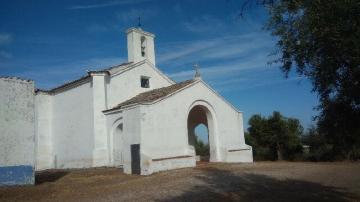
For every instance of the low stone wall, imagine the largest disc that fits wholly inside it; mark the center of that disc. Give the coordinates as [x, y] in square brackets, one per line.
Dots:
[17, 131]
[239, 155]
[162, 164]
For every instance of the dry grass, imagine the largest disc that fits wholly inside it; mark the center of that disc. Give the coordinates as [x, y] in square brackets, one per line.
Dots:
[261, 181]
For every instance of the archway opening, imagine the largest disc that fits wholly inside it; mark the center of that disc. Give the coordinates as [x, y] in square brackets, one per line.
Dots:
[199, 120]
[202, 148]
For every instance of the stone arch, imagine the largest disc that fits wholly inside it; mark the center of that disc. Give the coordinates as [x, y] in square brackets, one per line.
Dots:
[117, 143]
[201, 112]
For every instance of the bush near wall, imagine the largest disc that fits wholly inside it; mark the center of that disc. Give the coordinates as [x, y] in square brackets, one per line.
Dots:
[275, 137]
[201, 148]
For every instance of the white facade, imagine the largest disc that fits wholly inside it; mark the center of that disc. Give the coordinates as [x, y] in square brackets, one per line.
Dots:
[17, 131]
[162, 130]
[79, 124]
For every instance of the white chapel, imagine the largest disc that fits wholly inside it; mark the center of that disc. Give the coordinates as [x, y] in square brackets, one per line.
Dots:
[135, 117]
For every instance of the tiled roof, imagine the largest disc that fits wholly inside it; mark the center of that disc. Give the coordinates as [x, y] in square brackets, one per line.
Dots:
[115, 67]
[153, 95]
[65, 85]
[16, 78]
[81, 79]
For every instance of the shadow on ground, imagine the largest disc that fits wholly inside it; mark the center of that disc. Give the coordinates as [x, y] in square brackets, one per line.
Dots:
[49, 176]
[225, 186]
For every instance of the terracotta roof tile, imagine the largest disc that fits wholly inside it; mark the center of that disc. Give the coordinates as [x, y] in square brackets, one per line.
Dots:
[16, 78]
[152, 95]
[65, 85]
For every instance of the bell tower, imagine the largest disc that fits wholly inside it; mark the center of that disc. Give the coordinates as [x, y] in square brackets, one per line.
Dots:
[140, 45]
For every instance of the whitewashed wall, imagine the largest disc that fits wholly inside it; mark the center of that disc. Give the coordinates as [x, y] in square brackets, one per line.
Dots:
[130, 119]
[17, 131]
[44, 144]
[121, 87]
[164, 126]
[101, 141]
[69, 133]
[73, 127]
[126, 85]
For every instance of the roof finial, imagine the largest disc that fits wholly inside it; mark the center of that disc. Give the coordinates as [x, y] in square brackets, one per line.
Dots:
[197, 72]
[139, 22]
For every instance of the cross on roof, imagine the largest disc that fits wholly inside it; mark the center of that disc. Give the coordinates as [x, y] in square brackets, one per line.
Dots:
[139, 22]
[197, 72]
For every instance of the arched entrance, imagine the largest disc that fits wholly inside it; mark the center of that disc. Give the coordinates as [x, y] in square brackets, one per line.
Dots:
[198, 115]
[202, 148]
[118, 145]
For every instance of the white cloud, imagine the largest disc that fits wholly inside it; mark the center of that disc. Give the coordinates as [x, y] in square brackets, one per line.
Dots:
[97, 28]
[215, 49]
[128, 17]
[177, 8]
[263, 82]
[227, 63]
[6, 55]
[133, 14]
[185, 49]
[5, 38]
[96, 63]
[227, 82]
[205, 24]
[49, 76]
[208, 25]
[107, 4]
[223, 70]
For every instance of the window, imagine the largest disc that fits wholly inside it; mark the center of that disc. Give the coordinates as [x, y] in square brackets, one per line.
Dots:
[145, 83]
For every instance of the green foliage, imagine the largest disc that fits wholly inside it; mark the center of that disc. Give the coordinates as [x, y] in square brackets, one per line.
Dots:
[320, 39]
[319, 149]
[322, 150]
[201, 148]
[275, 137]
[260, 153]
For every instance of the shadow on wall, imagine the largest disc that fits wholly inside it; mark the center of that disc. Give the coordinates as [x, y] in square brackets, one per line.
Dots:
[49, 176]
[222, 185]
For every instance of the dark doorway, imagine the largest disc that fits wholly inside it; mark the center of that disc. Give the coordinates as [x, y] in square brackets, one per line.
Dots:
[135, 159]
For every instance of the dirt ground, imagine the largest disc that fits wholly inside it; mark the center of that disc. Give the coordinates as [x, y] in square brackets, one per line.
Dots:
[261, 181]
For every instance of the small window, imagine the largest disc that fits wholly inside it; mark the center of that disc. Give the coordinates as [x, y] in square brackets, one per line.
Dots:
[145, 83]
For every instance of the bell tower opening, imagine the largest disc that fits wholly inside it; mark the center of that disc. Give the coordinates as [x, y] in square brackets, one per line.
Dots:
[143, 46]
[140, 45]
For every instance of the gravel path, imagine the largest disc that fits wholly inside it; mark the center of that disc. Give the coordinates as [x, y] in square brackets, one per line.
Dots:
[261, 181]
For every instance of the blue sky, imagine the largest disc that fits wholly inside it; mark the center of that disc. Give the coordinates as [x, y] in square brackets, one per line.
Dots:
[53, 42]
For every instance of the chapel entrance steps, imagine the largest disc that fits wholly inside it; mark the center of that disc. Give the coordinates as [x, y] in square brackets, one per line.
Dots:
[202, 161]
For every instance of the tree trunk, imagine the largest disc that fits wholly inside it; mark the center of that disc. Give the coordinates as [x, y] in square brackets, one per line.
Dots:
[279, 153]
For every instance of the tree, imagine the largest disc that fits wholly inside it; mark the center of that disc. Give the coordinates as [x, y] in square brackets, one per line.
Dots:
[319, 149]
[201, 148]
[320, 39]
[278, 135]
